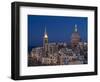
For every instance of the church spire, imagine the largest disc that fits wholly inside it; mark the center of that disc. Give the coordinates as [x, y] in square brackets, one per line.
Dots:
[75, 28]
[45, 30]
[45, 41]
[45, 34]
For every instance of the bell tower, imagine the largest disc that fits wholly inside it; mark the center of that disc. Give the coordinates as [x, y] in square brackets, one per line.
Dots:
[45, 36]
[45, 41]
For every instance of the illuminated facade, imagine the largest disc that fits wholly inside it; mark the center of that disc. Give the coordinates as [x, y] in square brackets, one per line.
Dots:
[52, 53]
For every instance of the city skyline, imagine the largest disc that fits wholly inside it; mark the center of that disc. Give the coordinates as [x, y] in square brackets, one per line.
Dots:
[59, 29]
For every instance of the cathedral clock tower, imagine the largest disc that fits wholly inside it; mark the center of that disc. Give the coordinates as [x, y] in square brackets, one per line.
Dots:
[45, 41]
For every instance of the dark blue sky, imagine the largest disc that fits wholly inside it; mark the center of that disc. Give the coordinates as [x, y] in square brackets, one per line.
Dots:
[59, 28]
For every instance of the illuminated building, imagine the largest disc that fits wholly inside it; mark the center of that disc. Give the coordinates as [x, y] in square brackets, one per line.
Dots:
[45, 41]
[75, 38]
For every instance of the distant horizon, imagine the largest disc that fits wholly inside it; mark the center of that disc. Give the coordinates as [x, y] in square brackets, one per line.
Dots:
[59, 29]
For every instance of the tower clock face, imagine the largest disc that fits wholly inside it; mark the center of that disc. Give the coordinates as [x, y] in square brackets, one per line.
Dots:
[46, 40]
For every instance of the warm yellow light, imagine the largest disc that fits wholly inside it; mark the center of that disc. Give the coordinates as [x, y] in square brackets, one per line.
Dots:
[45, 36]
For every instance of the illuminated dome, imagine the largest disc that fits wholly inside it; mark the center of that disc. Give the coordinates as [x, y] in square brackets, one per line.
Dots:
[75, 38]
[75, 35]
